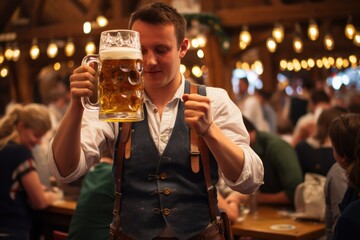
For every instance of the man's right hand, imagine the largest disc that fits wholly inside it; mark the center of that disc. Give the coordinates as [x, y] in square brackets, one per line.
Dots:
[82, 82]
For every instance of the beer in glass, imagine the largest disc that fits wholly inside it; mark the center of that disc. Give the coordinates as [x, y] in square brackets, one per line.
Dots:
[119, 82]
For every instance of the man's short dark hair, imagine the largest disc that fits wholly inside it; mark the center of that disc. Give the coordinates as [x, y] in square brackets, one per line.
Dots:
[163, 14]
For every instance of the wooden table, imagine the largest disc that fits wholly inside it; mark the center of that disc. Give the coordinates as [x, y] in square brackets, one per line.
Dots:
[58, 217]
[268, 223]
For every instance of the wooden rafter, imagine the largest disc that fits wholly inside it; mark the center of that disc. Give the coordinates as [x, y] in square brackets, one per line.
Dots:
[36, 12]
[7, 9]
[258, 15]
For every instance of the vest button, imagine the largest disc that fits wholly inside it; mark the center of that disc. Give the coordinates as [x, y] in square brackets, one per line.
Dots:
[167, 191]
[163, 176]
[166, 211]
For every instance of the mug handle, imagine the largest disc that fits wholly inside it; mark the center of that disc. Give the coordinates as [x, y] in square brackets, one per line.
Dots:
[87, 104]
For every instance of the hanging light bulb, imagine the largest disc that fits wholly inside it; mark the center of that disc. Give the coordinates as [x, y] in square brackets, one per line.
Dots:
[87, 27]
[52, 50]
[16, 53]
[350, 29]
[329, 42]
[297, 44]
[271, 44]
[357, 38]
[90, 47]
[8, 52]
[313, 30]
[297, 41]
[278, 33]
[34, 50]
[4, 71]
[245, 36]
[102, 21]
[242, 45]
[2, 57]
[69, 48]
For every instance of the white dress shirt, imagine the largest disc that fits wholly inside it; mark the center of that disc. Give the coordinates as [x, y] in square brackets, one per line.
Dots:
[97, 135]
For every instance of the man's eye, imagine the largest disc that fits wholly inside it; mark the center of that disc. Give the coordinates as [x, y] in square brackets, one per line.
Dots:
[161, 50]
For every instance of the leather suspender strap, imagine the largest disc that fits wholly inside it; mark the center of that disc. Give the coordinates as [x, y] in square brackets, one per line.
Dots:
[194, 150]
[122, 151]
[197, 143]
[204, 150]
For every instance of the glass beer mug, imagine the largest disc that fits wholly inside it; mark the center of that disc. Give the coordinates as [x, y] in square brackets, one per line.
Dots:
[120, 88]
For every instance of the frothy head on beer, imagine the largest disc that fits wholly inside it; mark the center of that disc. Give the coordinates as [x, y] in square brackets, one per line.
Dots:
[120, 53]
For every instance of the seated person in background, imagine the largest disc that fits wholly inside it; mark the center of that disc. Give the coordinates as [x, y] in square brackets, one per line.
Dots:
[315, 154]
[335, 187]
[305, 127]
[282, 171]
[252, 109]
[345, 138]
[94, 210]
[21, 129]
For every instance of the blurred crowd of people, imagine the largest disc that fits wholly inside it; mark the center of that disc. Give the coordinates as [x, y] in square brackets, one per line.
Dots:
[312, 132]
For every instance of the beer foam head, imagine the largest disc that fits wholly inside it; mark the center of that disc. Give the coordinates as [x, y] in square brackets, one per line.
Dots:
[120, 53]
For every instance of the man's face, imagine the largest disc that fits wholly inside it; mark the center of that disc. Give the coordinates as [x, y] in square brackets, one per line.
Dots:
[160, 53]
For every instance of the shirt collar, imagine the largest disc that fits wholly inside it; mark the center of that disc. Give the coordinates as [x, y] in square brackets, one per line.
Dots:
[178, 94]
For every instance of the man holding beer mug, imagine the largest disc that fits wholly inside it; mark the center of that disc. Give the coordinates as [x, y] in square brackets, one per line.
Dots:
[161, 197]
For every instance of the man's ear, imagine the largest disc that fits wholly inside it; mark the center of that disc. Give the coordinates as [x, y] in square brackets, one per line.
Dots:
[184, 47]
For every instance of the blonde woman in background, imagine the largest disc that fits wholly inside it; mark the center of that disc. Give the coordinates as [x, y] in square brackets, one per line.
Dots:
[21, 129]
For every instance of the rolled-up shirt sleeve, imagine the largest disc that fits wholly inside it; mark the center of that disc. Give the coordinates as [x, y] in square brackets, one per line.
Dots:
[96, 137]
[228, 118]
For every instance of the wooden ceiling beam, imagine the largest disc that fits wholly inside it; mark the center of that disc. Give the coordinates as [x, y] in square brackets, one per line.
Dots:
[233, 18]
[37, 12]
[7, 9]
[93, 10]
[73, 30]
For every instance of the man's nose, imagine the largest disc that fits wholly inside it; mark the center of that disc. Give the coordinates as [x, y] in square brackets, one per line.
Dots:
[150, 58]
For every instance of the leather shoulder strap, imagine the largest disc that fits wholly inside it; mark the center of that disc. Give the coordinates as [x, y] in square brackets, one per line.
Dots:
[198, 147]
[123, 142]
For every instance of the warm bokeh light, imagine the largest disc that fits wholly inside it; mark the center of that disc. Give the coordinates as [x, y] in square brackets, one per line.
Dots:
[245, 36]
[52, 50]
[4, 72]
[34, 50]
[57, 66]
[311, 62]
[271, 44]
[69, 48]
[2, 58]
[196, 71]
[182, 68]
[200, 53]
[90, 48]
[16, 53]
[297, 44]
[329, 42]
[8, 53]
[313, 30]
[102, 21]
[278, 33]
[350, 31]
[357, 38]
[87, 27]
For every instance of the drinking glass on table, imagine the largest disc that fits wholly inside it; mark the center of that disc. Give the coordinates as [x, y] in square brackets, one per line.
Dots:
[120, 87]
